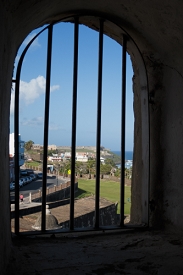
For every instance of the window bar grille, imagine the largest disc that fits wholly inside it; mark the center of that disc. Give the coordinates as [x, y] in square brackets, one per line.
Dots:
[46, 125]
[98, 137]
[123, 117]
[74, 113]
[73, 140]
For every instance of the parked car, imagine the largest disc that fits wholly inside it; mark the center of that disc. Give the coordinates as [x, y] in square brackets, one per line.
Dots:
[29, 178]
[24, 180]
[12, 186]
[23, 172]
[29, 171]
[21, 183]
[40, 175]
[33, 176]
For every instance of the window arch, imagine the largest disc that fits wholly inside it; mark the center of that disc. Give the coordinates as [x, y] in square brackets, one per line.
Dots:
[141, 142]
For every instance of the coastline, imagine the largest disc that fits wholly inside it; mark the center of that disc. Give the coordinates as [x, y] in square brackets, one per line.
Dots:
[128, 154]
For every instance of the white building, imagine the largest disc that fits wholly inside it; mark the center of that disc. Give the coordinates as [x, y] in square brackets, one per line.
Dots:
[81, 158]
[52, 147]
[37, 146]
[12, 148]
[67, 155]
[54, 158]
[102, 160]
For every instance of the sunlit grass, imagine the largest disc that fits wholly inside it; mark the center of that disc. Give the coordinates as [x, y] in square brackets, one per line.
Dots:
[109, 190]
[33, 163]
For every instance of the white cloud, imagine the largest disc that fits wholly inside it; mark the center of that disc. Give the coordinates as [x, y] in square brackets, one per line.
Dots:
[29, 38]
[36, 121]
[54, 127]
[30, 91]
[54, 87]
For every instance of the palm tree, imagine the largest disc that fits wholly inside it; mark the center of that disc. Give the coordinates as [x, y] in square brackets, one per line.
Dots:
[64, 167]
[78, 167]
[91, 167]
[28, 144]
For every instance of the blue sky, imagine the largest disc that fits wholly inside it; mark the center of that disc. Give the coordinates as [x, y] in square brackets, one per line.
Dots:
[32, 90]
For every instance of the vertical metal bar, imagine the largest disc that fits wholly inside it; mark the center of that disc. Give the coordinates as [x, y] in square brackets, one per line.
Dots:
[123, 117]
[98, 138]
[74, 113]
[46, 125]
[16, 156]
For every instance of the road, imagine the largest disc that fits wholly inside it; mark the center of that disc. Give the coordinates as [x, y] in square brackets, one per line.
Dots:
[36, 185]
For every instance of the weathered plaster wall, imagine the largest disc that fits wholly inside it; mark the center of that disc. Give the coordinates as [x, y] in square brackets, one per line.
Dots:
[172, 148]
[6, 65]
[166, 96]
[140, 176]
[156, 26]
[156, 91]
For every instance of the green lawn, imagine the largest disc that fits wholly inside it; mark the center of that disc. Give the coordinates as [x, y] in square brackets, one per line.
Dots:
[109, 190]
[33, 163]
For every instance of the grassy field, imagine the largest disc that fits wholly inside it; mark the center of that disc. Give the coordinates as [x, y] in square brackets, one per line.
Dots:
[109, 190]
[33, 163]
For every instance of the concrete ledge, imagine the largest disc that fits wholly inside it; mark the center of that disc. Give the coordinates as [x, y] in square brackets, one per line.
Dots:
[36, 207]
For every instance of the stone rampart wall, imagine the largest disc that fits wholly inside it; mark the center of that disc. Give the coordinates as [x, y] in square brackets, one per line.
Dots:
[108, 216]
[55, 193]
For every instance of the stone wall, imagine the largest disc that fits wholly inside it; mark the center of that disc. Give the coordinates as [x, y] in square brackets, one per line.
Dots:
[108, 216]
[38, 207]
[58, 195]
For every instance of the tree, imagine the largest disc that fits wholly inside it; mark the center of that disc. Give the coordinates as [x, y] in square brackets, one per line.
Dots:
[110, 161]
[105, 169]
[78, 167]
[28, 145]
[128, 173]
[117, 172]
[50, 152]
[91, 166]
[66, 166]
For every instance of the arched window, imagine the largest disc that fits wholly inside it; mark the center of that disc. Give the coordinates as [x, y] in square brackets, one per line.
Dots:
[140, 181]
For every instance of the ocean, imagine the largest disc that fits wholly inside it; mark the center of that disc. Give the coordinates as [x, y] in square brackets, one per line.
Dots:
[128, 154]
